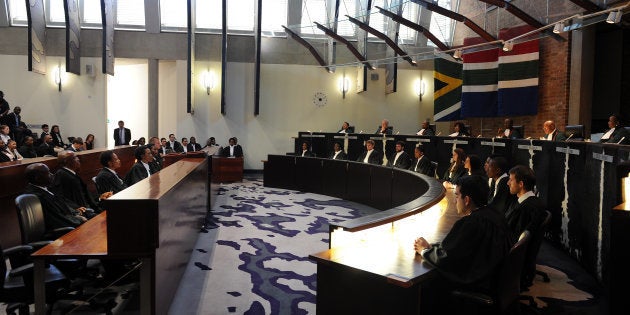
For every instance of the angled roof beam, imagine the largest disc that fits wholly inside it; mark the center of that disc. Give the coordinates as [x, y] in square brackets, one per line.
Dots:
[456, 16]
[340, 39]
[384, 37]
[308, 46]
[531, 21]
[412, 25]
[590, 7]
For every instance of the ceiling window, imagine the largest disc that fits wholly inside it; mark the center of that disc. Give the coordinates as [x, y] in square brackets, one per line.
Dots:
[17, 12]
[377, 20]
[345, 27]
[441, 26]
[241, 15]
[130, 14]
[173, 14]
[274, 15]
[209, 15]
[411, 12]
[313, 11]
[91, 12]
[55, 15]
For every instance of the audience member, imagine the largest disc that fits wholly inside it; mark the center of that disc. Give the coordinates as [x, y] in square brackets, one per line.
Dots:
[474, 166]
[141, 169]
[11, 151]
[184, 145]
[305, 150]
[57, 213]
[384, 128]
[338, 153]
[344, 128]
[18, 128]
[3, 156]
[233, 149]
[616, 133]
[193, 145]
[164, 149]
[400, 158]
[68, 183]
[459, 130]
[499, 196]
[470, 254]
[426, 129]
[142, 141]
[156, 147]
[77, 145]
[107, 179]
[173, 144]
[508, 130]
[551, 133]
[47, 147]
[370, 155]
[122, 135]
[88, 144]
[57, 139]
[421, 164]
[5, 133]
[27, 150]
[45, 132]
[456, 169]
[4, 108]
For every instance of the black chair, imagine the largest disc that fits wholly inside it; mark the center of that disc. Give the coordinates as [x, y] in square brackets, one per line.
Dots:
[32, 225]
[504, 300]
[433, 170]
[350, 129]
[529, 269]
[16, 283]
[521, 131]
[574, 132]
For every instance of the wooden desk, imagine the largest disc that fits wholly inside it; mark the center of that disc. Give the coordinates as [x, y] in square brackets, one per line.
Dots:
[382, 277]
[227, 169]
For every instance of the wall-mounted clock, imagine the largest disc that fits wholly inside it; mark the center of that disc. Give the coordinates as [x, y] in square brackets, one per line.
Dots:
[320, 99]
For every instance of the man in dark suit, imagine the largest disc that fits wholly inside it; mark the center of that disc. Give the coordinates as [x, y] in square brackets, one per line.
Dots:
[141, 169]
[18, 128]
[338, 153]
[122, 135]
[499, 196]
[107, 179]
[4, 109]
[426, 129]
[57, 213]
[371, 156]
[400, 158]
[305, 151]
[616, 133]
[68, 184]
[45, 132]
[421, 164]
[233, 149]
[27, 150]
[77, 145]
[551, 133]
[46, 148]
[193, 145]
[173, 144]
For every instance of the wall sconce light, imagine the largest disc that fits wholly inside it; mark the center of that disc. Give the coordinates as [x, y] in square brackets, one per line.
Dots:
[208, 80]
[59, 76]
[507, 46]
[457, 54]
[344, 85]
[420, 87]
[614, 17]
[558, 28]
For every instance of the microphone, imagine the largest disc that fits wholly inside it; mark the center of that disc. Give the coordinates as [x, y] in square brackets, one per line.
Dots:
[439, 133]
[479, 136]
[397, 132]
[569, 137]
[621, 140]
[528, 138]
[309, 131]
[361, 131]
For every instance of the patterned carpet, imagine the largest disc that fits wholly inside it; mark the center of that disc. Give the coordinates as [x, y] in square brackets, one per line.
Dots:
[254, 257]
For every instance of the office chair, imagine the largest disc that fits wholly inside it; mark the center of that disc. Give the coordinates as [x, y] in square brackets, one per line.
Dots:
[350, 129]
[32, 225]
[521, 130]
[507, 290]
[529, 269]
[16, 283]
[433, 170]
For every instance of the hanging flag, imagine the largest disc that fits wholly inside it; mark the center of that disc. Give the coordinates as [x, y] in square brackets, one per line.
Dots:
[518, 75]
[479, 91]
[447, 88]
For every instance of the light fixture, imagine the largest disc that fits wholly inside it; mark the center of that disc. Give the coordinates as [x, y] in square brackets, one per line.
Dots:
[420, 88]
[457, 54]
[614, 17]
[208, 80]
[558, 28]
[507, 46]
[344, 85]
[59, 76]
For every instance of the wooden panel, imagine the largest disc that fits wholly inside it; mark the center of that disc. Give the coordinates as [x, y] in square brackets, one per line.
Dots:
[89, 240]
[227, 169]
[280, 172]
[334, 178]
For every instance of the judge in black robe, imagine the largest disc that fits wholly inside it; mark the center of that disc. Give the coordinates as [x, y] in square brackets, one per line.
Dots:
[141, 169]
[337, 153]
[403, 161]
[499, 196]
[421, 164]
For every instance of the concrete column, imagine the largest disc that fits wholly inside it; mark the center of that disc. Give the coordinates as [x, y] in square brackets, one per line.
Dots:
[4, 16]
[153, 97]
[581, 78]
[152, 16]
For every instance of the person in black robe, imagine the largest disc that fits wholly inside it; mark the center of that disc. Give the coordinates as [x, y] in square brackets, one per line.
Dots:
[305, 151]
[403, 160]
[372, 156]
[107, 179]
[421, 163]
[337, 153]
[27, 150]
[456, 170]
[57, 213]
[471, 252]
[141, 169]
[46, 148]
[499, 196]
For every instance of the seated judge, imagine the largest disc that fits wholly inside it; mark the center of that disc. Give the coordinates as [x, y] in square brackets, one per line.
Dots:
[426, 129]
[344, 128]
[107, 179]
[305, 151]
[459, 130]
[141, 169]
[193, 145]
[68, 183]
[551, 133]
[384, 128]
[233, 149]
[337, 153]
[421, 164]
[525, 213]
[57, 213]
[456, 169]
[508, 130]
[400, 158]
[471, 252]
[370, 155]
[174, 145]
[617, 133]
[499, 196]
[27, 150]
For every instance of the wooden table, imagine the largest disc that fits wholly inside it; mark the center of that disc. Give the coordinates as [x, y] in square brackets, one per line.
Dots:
[88, 241]
[383, 277]
[227, 169]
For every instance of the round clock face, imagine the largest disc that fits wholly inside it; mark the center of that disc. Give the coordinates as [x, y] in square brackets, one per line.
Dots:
[319, 99]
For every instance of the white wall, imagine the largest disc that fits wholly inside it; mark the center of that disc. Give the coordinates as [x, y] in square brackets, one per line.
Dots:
[127, 98]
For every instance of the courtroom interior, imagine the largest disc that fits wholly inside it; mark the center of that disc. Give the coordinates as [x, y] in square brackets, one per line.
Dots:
[314, 156]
